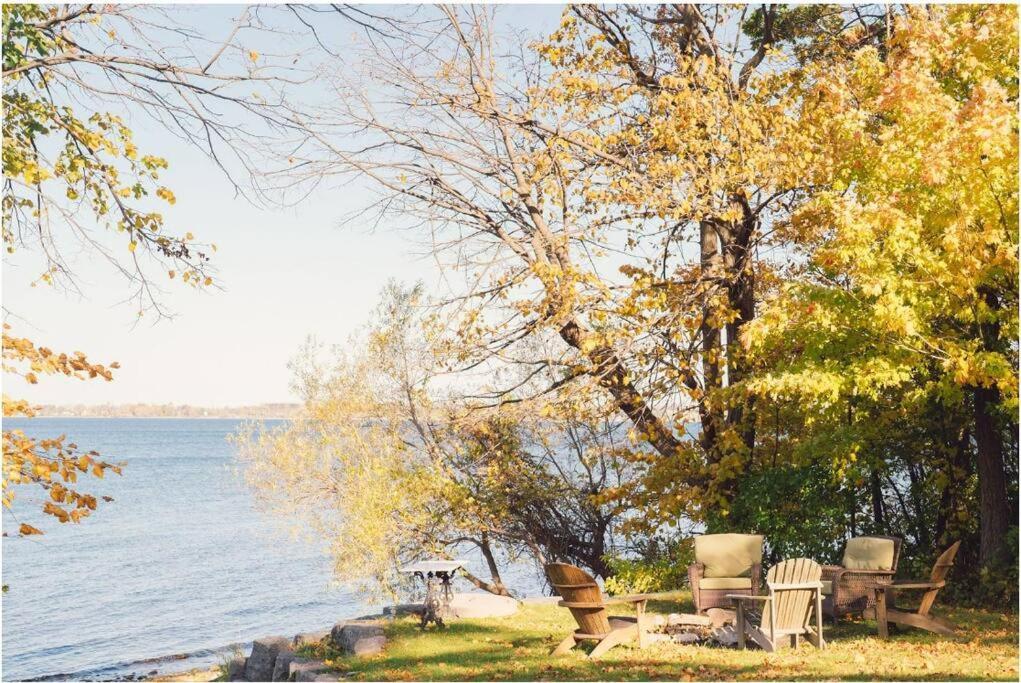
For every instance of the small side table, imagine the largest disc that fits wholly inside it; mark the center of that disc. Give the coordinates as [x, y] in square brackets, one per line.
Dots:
[436, 574]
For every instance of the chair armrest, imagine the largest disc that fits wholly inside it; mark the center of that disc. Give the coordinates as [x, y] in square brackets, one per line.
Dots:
[840, 575]
[581, 605]
[831, 571]
[911, 585]
[696, 571]
[761, 598]
[626, 599]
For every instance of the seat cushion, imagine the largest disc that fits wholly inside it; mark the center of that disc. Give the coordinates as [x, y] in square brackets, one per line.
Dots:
[827, 587]
[734, 583]
[728, 555]
[868, 552]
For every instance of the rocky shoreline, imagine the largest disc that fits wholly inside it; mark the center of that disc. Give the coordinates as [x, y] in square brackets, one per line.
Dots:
[279, 658]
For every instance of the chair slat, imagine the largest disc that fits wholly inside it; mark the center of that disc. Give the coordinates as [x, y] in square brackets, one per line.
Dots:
[582, 596]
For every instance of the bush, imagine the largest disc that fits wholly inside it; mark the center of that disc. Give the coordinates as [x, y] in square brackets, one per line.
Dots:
[800, 511]
[990, 587]
[663, 566]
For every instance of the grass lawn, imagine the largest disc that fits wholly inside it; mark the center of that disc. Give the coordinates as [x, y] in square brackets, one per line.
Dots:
[516, 648]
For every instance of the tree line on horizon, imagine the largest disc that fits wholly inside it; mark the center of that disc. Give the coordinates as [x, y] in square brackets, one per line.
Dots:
[722, 268]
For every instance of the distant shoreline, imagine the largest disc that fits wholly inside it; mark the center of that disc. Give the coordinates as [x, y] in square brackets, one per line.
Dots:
[51, 416]
[263, 411]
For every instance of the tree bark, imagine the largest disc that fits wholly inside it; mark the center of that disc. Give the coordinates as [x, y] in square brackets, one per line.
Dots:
[712, 377]
[610, 373]
[878, 513]
[959, 469]
[496, 587]
[737, 262]
[994, 518]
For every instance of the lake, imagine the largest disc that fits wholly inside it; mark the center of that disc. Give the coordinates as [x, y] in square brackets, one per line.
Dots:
[169, 576]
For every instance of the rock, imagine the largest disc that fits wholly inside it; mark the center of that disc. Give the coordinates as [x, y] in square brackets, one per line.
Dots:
[366, 647]
[282, 666]
[346, 633]
[236, 669]
[719, 616]
[403, 609]
[688, 620]
[359, 637]
[656, 620]
[310, 638]
[687, 638]
[259, 666]
[725, 635]
[481, 605]
[306, 669]
[656, 638]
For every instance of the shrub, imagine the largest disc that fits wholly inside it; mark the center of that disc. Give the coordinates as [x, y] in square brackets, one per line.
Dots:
[663, 566]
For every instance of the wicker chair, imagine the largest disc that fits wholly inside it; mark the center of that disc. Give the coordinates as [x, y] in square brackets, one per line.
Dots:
[850, 588]
[725, 564]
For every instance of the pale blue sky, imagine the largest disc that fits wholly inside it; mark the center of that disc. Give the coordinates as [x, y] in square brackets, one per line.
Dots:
[288, 273]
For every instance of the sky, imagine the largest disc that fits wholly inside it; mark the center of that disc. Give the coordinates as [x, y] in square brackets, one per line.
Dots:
[287, 273]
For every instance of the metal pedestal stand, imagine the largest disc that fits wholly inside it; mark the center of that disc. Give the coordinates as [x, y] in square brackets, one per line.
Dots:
[436, 575]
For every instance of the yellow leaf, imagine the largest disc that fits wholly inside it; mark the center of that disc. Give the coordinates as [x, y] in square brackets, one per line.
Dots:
[132, 246]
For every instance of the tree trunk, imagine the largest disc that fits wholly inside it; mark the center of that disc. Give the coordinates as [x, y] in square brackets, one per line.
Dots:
[608, 370]
[712, 377]
[495, 589]
[494, 570]
[994, 519]
[737, 261]
[958, 471]
[994, 514]
[876, 487]
[496, 586]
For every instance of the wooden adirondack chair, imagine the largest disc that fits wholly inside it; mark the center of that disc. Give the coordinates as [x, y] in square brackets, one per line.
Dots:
[795, 596]
[582, 596]
[886, 612]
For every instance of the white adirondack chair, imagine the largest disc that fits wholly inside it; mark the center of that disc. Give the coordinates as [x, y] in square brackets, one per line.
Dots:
[794, 598]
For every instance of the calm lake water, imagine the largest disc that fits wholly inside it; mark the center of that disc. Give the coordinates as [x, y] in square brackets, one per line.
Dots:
[171, 574]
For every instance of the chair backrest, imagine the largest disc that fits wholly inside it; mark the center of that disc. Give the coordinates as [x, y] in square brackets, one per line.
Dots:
[872, 552]
[791, 585]
[943, 563]
[582, 595]
[728, 555]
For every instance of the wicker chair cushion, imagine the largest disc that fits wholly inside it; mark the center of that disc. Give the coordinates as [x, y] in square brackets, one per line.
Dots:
[725, 583]
[827, 587]
[866, 552]
[728, 555]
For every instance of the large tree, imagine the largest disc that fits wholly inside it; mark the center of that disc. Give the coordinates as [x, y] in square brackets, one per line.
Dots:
[387, 467]
[910, 249]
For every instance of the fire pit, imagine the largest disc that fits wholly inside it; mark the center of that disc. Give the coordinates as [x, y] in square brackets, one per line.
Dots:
[715, 628]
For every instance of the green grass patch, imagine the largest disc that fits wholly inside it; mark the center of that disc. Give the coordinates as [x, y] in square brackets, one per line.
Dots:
[516, 648]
